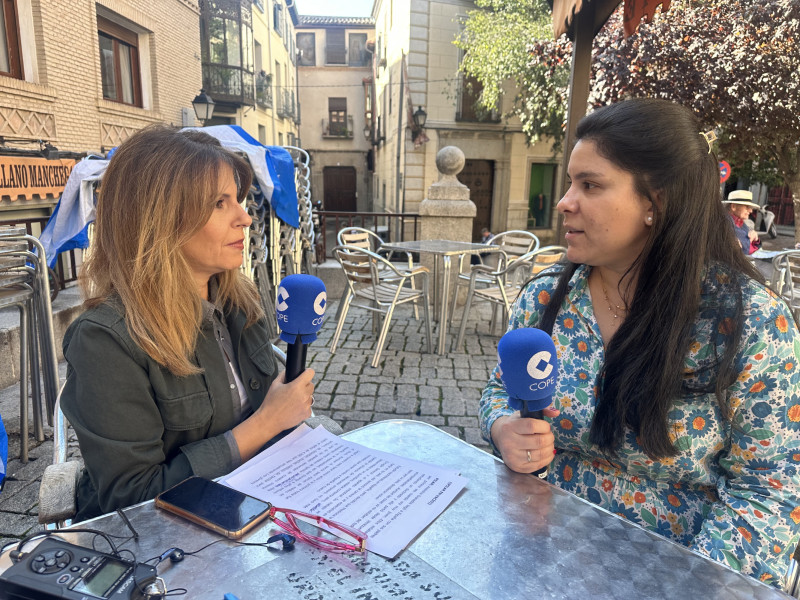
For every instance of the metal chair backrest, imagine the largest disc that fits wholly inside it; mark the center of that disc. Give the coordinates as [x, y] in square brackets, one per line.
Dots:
[546, 257]
[359, 237]
[359, 264]
[515, 243]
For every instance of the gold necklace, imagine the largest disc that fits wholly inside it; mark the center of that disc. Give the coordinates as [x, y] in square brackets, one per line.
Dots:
[611, 307]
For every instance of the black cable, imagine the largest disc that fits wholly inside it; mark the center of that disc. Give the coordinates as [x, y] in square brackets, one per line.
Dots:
[128, 523]
[45, 534]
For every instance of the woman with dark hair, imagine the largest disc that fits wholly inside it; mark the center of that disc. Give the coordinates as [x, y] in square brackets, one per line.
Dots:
[678, 398]
[170, 369]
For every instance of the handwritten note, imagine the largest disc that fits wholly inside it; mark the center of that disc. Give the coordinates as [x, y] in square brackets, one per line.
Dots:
[390, 498]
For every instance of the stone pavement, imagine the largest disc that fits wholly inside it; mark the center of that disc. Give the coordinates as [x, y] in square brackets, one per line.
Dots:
[410, 384]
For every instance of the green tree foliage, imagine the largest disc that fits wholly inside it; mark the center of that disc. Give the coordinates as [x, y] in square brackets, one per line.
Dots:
[496, 42]
[735, 63]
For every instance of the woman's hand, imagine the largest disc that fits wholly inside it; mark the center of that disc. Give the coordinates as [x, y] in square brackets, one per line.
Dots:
[286, 405]
[515, 437]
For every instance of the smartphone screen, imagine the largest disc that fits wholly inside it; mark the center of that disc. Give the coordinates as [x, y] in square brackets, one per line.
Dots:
[214, 505]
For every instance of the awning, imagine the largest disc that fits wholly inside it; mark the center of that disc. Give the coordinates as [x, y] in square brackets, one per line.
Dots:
[564, 12]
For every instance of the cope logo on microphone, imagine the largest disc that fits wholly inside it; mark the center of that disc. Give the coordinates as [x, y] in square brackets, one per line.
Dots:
[320, 303]
[283, 296]
[540, 368]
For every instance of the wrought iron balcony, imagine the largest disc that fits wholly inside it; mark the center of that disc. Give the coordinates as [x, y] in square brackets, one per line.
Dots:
[286, 106]
[228, 83]
[264, 90]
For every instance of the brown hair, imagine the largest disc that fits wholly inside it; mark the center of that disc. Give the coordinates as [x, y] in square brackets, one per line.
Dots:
[158, 191]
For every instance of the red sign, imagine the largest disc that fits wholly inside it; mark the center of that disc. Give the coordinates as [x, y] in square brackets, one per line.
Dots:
[724, 171]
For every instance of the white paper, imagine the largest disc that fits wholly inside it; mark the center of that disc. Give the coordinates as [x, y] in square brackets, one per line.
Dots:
[390, 498]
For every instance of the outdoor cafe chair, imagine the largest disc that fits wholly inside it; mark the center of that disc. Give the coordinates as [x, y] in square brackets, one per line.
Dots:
[506, 283]
[513, 244]
[362, 269]
[369, 240]
[59, 485]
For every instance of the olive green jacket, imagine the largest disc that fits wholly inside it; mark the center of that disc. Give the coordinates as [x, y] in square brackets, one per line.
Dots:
[140, 428]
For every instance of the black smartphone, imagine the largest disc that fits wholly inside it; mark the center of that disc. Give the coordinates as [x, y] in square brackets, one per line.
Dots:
[214, 506]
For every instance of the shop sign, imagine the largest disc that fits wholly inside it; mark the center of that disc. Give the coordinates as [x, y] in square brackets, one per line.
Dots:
[24, 178]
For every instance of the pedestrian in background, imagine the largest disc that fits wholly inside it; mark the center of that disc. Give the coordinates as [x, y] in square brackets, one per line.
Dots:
[740, 205]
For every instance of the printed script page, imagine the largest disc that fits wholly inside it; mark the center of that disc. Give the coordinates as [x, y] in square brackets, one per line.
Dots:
[390, 498]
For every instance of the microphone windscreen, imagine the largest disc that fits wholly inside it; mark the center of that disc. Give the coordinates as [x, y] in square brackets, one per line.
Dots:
[528, 367]
[300, 307]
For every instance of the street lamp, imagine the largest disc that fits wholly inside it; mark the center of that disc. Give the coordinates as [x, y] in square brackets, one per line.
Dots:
[420, 116]
[367, 132]
[203, 106]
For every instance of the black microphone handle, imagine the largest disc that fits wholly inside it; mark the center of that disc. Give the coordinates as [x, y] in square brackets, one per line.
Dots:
[295, 359]
[532, 414]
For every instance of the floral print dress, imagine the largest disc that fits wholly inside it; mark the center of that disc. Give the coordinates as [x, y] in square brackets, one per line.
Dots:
[732, 491]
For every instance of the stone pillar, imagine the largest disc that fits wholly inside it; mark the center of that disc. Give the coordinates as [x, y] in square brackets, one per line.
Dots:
[447, 212]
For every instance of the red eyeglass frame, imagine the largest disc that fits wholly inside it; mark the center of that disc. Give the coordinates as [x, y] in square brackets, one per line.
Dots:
[316, 541]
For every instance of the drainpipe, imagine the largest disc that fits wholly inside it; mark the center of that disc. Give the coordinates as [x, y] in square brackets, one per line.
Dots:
[400, 136]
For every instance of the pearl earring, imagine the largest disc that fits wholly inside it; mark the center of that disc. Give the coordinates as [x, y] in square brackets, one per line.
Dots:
[649, 220]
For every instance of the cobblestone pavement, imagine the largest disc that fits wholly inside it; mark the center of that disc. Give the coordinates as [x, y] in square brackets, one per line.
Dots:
[410, 384]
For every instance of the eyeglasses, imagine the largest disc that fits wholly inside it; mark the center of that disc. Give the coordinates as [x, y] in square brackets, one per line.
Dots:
[349, 539]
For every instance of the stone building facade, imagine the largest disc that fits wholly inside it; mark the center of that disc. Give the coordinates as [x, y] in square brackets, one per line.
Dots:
[335, 68]
[267, 104]
[416, 66]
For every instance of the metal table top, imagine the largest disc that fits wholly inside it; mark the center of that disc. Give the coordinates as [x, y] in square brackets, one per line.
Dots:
[440, 247]
[506, 536]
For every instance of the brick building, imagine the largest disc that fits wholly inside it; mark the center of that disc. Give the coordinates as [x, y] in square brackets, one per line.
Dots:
[85, 74]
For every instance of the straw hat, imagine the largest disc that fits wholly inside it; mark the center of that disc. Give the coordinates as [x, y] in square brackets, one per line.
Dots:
[744, 197]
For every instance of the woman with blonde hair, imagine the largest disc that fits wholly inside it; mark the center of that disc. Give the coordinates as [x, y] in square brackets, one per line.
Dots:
[170, 372]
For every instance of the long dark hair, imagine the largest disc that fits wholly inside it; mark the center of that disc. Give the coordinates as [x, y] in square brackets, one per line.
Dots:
[661, 145]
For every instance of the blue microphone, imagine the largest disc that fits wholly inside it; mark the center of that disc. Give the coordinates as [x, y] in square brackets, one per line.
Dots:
[528, 367]
[300, 310]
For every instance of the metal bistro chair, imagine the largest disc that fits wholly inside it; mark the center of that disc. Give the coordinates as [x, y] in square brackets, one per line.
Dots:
[507, 282]
[364, 281]
[57, 492]
[513, 244]
[369, 240]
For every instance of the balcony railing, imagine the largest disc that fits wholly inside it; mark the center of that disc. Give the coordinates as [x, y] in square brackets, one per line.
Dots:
[286, 106]
[264, 90]
[228, 83]
[338, 129]
[391, 227]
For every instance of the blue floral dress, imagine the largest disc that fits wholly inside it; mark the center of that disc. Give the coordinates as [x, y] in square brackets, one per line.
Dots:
[732, 491]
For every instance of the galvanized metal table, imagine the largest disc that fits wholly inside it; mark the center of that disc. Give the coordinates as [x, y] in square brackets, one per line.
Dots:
[442, 251]
[506, 536]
